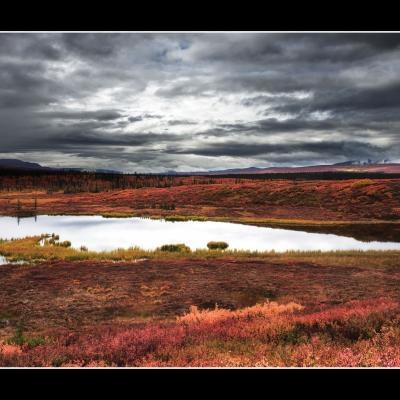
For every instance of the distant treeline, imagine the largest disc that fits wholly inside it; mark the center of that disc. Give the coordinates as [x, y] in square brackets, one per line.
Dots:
[75, 182]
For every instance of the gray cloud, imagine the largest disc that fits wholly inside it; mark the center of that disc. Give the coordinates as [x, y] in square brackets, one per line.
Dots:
[186, 122]
[135, 119]
[225, 99]
[105, 139]
[91, 44]
[322, 149]
[101, 115]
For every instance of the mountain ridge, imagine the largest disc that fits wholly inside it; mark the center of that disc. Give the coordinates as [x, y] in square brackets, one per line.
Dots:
[383, 166]
[13, 163]
[348, 166]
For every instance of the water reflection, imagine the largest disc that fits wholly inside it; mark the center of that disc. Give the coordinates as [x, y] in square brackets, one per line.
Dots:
[98, 233]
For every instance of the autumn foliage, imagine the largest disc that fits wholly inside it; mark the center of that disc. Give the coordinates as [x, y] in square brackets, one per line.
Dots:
[214, 198]
[359, 333]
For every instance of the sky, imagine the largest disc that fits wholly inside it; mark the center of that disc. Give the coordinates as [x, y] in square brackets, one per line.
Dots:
[155, 102]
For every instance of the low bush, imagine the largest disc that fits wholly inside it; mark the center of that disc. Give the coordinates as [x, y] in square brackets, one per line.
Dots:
[167, 206]
[217, 245]
[180, 248]
[19, 339]
[65, 243]
[362, 183]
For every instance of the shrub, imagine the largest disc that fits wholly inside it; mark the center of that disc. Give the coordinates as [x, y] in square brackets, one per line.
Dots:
[265, 310]
[19, 339]
[65, 243]
[180, 248]
[167, 206]
[361, 183]
[176, 218]
[84, 248]
[217, 245]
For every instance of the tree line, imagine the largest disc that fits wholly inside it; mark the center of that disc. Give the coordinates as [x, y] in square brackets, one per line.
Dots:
[76, 182]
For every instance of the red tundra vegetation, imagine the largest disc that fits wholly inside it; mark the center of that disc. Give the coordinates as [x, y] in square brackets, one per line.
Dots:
[326, 309]
[79, 308]
[358, 333]
[229, 198]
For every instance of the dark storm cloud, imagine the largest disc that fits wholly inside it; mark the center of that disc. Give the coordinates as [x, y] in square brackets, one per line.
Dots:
[272, 127]
[86, 135]
[323, 149]
[386, 98]
[107, 139]
[23, 85]
[372, 40]
[297, 48]
[91, 44]
[101, 115]
[33, 46]
[254, 97]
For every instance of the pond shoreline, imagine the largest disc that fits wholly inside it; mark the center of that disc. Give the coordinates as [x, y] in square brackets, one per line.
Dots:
[96, 237]
[362, 230]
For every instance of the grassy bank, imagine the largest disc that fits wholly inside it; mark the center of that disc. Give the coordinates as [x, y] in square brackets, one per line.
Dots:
[29, 249]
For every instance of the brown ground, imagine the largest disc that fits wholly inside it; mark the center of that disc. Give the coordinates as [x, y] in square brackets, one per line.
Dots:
[82, 294]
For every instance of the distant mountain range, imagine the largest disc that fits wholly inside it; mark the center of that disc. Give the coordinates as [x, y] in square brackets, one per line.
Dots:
[383, 166]
[29, 166]
[18, 164]
[363, 162]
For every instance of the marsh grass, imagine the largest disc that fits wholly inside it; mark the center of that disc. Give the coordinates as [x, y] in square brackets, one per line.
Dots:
[184, 218]
[29, 249]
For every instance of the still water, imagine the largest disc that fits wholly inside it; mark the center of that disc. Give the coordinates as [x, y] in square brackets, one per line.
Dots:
[98, 233]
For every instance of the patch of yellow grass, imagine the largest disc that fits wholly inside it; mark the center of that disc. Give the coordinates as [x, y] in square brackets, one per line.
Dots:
[362, 183]
[264, 310]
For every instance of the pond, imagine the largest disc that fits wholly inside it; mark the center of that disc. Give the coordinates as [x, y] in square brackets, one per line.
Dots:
[98, 233]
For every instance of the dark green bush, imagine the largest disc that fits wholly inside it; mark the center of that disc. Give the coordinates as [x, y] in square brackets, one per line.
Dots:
[20, 339]
[166, 206]
[180, 248]
[66, 243]
[217, 245]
